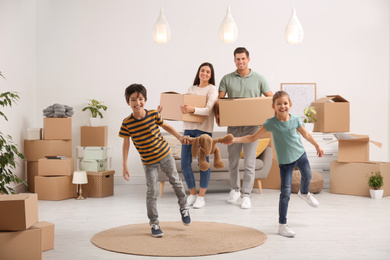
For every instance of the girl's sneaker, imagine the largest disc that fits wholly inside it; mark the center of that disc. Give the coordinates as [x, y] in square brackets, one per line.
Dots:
[199, 203]
[191, 199]
[285, 230]
[309, 199]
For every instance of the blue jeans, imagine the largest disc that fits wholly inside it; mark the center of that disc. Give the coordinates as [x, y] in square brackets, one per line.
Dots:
[186, 161]
[285, 183]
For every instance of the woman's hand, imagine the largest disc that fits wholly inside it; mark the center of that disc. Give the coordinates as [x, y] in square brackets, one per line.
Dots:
[186, 109]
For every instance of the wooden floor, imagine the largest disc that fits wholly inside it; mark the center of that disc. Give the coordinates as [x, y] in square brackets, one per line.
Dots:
[343, 227]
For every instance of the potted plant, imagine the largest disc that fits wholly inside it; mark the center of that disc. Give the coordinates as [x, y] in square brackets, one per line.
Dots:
[375, 181]
[95, 106]
[309, 119]
[8, 150]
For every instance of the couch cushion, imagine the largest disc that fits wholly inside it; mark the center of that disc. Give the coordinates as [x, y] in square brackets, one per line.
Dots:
[195, 167]
[262, 144]
[174, 144]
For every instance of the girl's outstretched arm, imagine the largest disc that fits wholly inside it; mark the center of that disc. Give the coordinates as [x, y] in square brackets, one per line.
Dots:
[310, 138]
[250, 138]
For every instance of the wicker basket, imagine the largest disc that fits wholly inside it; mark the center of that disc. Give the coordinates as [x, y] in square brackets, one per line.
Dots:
[100, 184]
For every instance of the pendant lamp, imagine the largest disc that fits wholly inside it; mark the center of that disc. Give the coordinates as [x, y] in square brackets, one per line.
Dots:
[161, 29]
[294, 30]
[228, 31]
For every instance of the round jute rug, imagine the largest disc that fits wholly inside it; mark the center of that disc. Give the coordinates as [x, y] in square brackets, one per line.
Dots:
[198, 239]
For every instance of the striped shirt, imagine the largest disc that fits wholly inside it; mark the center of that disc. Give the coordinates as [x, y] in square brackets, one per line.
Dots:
[146, 136]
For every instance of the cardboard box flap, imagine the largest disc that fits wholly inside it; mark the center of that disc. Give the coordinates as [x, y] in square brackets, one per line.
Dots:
[170, 92]
[354, 138]
[331, 98]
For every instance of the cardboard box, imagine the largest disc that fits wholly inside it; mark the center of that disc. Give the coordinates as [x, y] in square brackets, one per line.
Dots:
[32, 171]
[47, 234]
[55, 187]
[34, 133]
[332, 114]
[38, 149]
[93, 165]
[55, 167]
[352, 178]
[245, 111]
[354, 148]
[171, 102]
[15, 245]
[18, 211]
[100, 184]
[93, 136]
[57, 128]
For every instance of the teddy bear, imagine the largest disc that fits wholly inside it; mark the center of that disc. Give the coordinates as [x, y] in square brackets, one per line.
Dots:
[205, 145]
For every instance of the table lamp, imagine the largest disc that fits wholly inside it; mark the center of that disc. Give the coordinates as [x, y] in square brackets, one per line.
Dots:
[80, 177]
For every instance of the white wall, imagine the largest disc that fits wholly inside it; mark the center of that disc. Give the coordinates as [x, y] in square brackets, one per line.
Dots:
[95, 48]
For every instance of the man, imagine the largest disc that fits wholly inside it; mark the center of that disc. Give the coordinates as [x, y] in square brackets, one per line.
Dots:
[242, 83]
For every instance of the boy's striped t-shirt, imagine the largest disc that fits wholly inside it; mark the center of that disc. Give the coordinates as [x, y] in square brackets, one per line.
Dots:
[146, 136]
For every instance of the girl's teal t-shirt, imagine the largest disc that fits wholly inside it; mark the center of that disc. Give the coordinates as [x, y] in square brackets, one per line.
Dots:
[287, 140]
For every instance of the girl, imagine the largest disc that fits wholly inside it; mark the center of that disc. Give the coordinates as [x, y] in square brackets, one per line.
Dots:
[204, 84]
[290, 153]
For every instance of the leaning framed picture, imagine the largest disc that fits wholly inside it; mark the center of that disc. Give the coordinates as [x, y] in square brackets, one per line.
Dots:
[301, 95]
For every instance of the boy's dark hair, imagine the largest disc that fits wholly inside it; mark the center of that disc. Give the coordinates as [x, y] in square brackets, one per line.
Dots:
[241, 50]
[135, 88]
[212, 77]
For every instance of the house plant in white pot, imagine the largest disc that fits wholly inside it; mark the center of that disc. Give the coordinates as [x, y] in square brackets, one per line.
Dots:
[375, 181]
[95, 106]
[309, 119]
[8, 150]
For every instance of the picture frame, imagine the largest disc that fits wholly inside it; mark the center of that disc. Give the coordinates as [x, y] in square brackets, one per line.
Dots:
[301, 95]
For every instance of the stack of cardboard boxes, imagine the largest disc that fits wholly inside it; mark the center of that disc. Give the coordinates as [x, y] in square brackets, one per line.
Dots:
[93, 156]
[49, 160]
[21, 235]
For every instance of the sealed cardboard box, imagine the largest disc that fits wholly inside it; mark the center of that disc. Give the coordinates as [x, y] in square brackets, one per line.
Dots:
[47, 234]
[352, 178]
[354, 148]
[18, 211]
[32, 171]
[55, 167]
[171, 102]
[38, 149]
[17, 245]
[93, 165]
[245, 111]
[332, 114]
[55, 187]
[100, 184]
[34, 133]
[93, 136]
[57, 128]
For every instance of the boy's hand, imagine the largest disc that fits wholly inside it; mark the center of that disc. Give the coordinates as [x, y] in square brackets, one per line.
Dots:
[320, 152]
[159, 108]
[126, 174]
[185, 140]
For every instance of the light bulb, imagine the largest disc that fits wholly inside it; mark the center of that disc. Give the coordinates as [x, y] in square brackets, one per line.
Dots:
[294, 30]
[161, 29]
[228, 31]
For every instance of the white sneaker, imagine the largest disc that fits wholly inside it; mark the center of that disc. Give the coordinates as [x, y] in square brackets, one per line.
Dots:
[233, 196]
[285, 230]
[309, 199]
[199, 203]
[191, 199]
[246, 203]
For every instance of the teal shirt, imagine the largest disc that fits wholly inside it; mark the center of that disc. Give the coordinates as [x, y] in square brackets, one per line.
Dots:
[236, 86]
[287, 140]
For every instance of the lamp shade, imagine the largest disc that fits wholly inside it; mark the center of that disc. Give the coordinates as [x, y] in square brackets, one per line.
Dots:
[80, 177]
[294, 30]
[228, 31]
[161, 29]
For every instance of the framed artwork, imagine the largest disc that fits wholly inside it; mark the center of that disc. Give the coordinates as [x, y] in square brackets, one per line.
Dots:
[301, 95]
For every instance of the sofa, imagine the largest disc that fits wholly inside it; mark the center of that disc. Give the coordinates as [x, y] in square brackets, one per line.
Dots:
[262, 166]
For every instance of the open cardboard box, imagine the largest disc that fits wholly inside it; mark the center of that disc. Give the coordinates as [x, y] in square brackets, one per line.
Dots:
[245, 111]
[354, 148]
[171, 102]
[332, 114]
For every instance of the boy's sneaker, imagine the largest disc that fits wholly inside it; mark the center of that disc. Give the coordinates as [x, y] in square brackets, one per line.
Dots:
[185, 216]
[156, 230]
[309, 199]
[199, 203]
[246, 203]
[285, 230]
[191, 199]
[233, 196]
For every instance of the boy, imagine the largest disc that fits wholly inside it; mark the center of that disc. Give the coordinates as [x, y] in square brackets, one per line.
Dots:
[143, 128]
